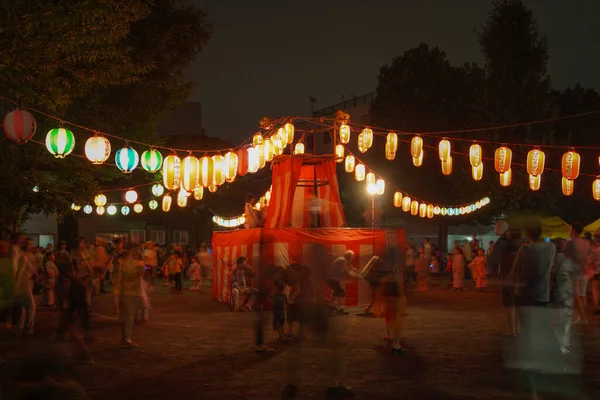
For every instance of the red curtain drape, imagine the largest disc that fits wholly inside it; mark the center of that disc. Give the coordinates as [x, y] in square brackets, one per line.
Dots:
[285, 177]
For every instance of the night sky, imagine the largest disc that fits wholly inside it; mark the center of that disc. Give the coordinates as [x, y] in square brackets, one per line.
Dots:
[267, 56]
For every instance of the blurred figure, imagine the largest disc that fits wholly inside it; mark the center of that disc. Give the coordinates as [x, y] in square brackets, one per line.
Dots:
[394, 299]
[478, 266]
[577, 252]
[278, 307]
[240, 286]
[594, 272]
[151, 260]
[563, 295]
[336, 273]
[458, 269]
[505, 252]
[24, 283]
[410, 263]
[252, 215]
[50, 275]
[195, 274]
[206, 264]
[422, 268]
[131, 293]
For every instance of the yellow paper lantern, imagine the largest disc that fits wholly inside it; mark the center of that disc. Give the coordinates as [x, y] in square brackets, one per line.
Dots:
[344, 133]
[349, 163]
[131, 196]
[391, 141]
[299, 148]
[397, 199]
[437, 210]
[380, 185]
[416, 147]
[422, 210]
[535, 162]
[477, 172]
[406, 202]
[262, 161]
[430, 211]
[198, 192]
[390, 154]
[365, 140]
[281, 134]
[447, 166]
[182, 199]
[570, 165]
[218, 169]
[535, 182]
[502, 159]
[252, 160]
[596, 188]
[206, 171]
[414, 207]
[475, 155]
[190, 168]
[418, 161]
[506, 178]
[172, 172]
[97, 149]
[371, 179]
[444, 211]
[278, 145]
[100, 210]
[339, 153]
[289, 132]
[257, 139]
[359, 172]
[568, 186]
[212, 188]
[231, 165]
[166, 202]
[100, 200]
[268, 149]
[444, 149]
[371, 188]
[138, 208]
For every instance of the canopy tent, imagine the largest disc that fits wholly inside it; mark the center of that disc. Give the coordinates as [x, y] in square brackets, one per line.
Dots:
[593, 227]
[555, 227]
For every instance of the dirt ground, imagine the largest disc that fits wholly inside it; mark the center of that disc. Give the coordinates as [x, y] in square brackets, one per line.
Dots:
[194, 347]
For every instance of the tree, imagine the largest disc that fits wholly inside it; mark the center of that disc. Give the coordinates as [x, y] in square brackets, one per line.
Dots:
[113, 66]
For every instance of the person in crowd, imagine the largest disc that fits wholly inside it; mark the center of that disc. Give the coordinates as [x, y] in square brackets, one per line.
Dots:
[195, 274]
[240, 286]
[166, 273]
[300, 300]
[478, 266]
[131, 293]
[427, 249]
[48, 248]
[50, 275]
[474, 243]
[458, 269]
[252, 216]
[83, 268]
[374, 278]
[100, 260]
[410, 263]
[422, 268]
[175, 270]
[594, 272]
[62, 249]
[278, 307]
[577, 252]
[563, 295]
[435, 268]
[151, 261]
[115, 263]
[448, 263]
[490, 249]
[393, 294]
[205, 260]
[336, 273]
[26, 276]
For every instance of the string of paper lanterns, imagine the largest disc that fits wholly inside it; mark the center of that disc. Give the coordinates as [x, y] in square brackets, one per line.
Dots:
[239, 220]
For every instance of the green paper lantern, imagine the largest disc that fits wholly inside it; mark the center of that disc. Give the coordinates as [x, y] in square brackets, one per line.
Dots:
[153, 204]
[60, 142]
[151, 160]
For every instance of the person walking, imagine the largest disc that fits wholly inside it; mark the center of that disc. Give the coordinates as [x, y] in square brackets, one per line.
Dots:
[24, 284]
[131, 292]
[577, 252]
[458, 269]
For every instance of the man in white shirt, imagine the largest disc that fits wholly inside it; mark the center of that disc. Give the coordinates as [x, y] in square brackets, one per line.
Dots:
[339, 270]
[577, 252]
[206, 263]
[252, 216]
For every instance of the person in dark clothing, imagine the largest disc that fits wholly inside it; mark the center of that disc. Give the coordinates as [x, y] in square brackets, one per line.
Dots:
[278, 305]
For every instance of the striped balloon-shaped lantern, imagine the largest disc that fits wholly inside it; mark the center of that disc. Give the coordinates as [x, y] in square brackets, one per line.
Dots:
[97, 149]
[231, 165]
[190, 168]
[242, 165]
[172, 172]
[206, 171]
[151, 160]
[127, 159]
[19, 126]
[60, 142]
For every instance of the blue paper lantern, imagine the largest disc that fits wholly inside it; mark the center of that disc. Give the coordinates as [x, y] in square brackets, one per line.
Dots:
[127, 159]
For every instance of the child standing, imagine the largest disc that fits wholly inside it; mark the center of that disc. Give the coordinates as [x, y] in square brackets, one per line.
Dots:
[478, 268]
[165, 272]
[176, 268]
[278, 304]
[195, 273]
[422, 269]
[435, 269]
[50, 275]
[458, 269]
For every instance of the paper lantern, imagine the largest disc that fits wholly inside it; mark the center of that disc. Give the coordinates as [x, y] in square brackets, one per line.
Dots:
[151, 160]
[158, 189]
[97, 149]
[371, 178]
[418, 161]
[475, 155]
[477, 172]
[447, 166]
[60, 142]
[278, 145]
[125, 210]
[371, 188]
[190, 170]
[344, 133]
[268, 149]
[218, 169]
[127, 159]
[153, 204]
[138, 208]
[213, 188]
[535, 182]
[100, 200]
[172, 172]
[100, 210]
[506, 178]
[299, 148]
[242, 164]
[349, 163]
[502, 159]
[390, 153]
[478, 205]
[380, 184]
[444, 211]
[444, 149]
[131, 196]
[206, 172]
[414, 207]
[198, 192]
[359, 172]
[397, 199]
[406, 202]
[568, 186]
[288, 129]
[252, 160]
[422, 210]
[535, 162]
[339, 153]
[391, 142]
[365, 140]
[257, 139]
[416, 147]
[437, 210]
[596, 188]
[231, 165]
[87, 209]
[19, 126]
[182, 199]
[282, 136]
[75, 207]
[570, 165]
[260, 150]
[430, 211]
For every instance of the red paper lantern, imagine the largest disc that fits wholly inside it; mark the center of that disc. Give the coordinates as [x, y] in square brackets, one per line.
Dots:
[19, 126]
[242, 166]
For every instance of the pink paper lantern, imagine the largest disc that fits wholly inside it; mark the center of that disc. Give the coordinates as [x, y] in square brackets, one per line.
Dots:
[19, 126]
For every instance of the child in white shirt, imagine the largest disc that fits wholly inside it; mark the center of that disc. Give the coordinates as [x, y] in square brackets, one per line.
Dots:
[195, 273]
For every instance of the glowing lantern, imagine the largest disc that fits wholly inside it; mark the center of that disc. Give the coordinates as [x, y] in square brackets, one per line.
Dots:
[206, 172]
[422, 210]
[414, 207]
[289, 132]
[535, 182]
[153, 204]
[477, 172]
[19, 126]
[181, 199]
[475, 155]
[359, 172]
[570, 165]
[87, 209]
[151, 160]
[416, 147]
[60, 142]
[478, 205]
[282, 136]
[212, 188]
[596, 188]
[218, 169]
[397, 199]
[430, 211]
[444, 150]
[389, 153]
[252, 160]
[502, 159]
[444, 211]
[567, 186]
[75, 207]
[371, 179]
[127, 159]
[125, 210]
[198, 192]
[535, 162]
[260, 150]
[371, 188]
[299, 148]
[277, 145]
[257, 139]
[172, 172]
[131, 196]
[100, 210]
[344, 134]
[268, 149]
[167, 200]
[447, 166]
[349, 164]
[242, 163]
[190, 169]
[230, 165]
[97, 149]
[437, 210]
[406, 202]
[158, 189]
[138, 208]
[365, 140]
[391, 146]
[100, 200]
[418, 161]
[506, 178]
[380, 184]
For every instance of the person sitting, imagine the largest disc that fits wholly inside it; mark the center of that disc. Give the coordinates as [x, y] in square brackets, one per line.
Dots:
[252, 216]
[239, 285]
